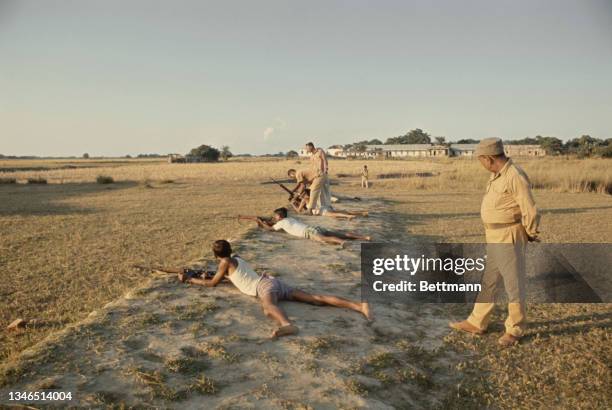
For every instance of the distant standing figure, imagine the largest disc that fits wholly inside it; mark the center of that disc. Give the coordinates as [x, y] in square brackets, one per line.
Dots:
[320, 194]
[364, 177]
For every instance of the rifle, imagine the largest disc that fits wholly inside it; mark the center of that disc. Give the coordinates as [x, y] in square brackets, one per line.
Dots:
[187, 272]
[253, 218]
[292, 194]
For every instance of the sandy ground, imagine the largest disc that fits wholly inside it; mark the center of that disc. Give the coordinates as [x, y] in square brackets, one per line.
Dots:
[166, 344]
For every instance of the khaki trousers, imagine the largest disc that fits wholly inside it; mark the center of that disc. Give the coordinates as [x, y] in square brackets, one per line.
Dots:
[319, 192]
[364, 182]
[505, 268]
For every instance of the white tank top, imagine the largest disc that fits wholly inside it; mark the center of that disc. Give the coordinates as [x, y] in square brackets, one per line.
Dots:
[245, 278]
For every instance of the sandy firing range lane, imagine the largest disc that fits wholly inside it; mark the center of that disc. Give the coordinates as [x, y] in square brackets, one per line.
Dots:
[172, 345]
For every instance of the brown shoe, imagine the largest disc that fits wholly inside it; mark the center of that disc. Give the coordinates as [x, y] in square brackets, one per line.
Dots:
[508, 340]
[466, 326]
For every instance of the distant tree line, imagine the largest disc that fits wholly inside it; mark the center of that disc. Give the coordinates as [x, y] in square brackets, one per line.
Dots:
[585, 146]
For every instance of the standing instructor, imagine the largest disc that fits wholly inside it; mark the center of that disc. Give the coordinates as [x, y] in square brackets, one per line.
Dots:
[319, 188]
[511, 220]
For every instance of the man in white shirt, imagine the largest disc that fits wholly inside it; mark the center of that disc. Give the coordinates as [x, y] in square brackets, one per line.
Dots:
[293, 227]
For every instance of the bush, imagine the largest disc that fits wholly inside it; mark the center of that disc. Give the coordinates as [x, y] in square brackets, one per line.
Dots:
[104, 179]
[205, 153]
[8, 181]
[38, 180]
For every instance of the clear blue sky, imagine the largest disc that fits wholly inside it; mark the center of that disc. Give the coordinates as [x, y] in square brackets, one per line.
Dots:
[127, 77]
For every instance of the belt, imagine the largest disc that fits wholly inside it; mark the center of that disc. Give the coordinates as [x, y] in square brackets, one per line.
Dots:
[501, 226]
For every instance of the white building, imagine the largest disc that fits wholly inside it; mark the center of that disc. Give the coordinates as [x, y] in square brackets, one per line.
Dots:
[463, 150]
[403, 151]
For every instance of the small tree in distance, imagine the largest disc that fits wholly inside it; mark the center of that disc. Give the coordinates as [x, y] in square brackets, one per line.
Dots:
[85, 156]
[205, 153]
[226, 153]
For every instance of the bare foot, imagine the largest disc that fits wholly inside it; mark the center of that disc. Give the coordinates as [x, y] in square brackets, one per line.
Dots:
[367, 311]
[343, 245]
[365, 213]
[285, 331]
[350, 218]
[368, 238]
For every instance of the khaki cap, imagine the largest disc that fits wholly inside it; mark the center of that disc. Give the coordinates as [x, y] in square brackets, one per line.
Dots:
[489, 146]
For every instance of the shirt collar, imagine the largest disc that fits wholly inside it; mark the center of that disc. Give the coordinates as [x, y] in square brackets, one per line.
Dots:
[503, 170]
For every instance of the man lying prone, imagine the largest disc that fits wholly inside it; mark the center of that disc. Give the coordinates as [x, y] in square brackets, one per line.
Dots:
[268, 289]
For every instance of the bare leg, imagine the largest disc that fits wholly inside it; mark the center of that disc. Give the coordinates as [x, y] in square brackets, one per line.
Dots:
[349, 235]
[339, 214]
[271, 309]
[320, 300]
[328, 239]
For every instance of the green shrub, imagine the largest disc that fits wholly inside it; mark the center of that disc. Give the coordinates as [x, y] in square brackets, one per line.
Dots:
[8, 181]
[38, 180]
[104, 179]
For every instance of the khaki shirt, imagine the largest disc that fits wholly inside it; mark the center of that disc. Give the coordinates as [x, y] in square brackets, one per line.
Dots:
[305, 175]
[508, 199]
[319, 162]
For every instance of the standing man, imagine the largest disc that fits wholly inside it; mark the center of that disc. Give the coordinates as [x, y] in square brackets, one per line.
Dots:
[511, 220]
[364, 177]
[319, 188]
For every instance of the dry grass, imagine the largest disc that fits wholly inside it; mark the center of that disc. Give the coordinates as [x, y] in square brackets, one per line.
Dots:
[69, 246]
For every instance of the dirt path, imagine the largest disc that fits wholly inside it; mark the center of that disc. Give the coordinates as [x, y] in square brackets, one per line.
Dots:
[179, 346]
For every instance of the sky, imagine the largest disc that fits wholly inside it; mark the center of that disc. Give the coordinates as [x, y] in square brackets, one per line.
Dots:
[113, 77]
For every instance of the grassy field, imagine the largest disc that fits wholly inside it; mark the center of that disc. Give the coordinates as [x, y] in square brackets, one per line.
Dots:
[69, 246]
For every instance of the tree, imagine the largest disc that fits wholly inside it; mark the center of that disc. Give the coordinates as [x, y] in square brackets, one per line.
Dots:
[468, 141]
[552, 145]
[375, 141]
[86, 156]
[416, 136]
[226, 153]
[584, 146]
[206, 153]
[440, 140]
[292, 154]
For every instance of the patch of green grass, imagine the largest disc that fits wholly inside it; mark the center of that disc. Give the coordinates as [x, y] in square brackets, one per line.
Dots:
[319, 345]
[356, 387]
[194, 311]
[104, 179]
[203, 385]
[37, 180]
[7, 180]
[380, 360]
[185, 365]
[217, 351]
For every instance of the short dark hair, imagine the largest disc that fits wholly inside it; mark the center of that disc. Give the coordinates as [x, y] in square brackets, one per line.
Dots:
[310, 144]
[282, 212]
[222, 248]
[290, 171]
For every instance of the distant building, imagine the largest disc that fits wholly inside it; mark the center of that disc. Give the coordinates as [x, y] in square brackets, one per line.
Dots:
[399, 151]
[524, 150]
[336, 151]
[402, 151]
[302, 153]
[462, 150]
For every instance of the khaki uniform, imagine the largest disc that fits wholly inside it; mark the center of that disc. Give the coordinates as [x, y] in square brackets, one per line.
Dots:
[510, 217]
[305, 176]
[364, 179]
[320, 194]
